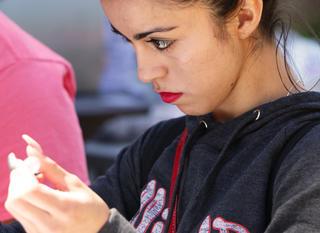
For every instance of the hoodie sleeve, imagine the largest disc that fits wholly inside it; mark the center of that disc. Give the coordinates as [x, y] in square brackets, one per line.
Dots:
[14, 227]
[122, 184]
[117, 224]
[296, 191]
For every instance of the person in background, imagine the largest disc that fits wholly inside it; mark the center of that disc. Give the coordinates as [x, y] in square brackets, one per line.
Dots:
[245, 158]
[37, 91]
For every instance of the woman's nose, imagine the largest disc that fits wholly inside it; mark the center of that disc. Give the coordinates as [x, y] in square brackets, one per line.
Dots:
[149, 68]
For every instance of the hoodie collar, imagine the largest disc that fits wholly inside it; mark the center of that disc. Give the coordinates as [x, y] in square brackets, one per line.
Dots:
[300, 102]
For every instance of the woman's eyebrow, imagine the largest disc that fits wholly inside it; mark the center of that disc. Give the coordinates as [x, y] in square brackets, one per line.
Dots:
[142, 35]
[117, 31]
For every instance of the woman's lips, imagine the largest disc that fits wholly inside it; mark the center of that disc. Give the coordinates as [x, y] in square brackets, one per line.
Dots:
[169, 97]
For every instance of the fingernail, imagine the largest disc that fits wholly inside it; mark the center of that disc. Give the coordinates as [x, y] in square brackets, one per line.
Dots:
[13, 162]
[29, 140]
[31, 151]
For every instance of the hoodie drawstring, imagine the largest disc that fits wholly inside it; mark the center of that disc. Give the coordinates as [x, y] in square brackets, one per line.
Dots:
[214, 171]
[180, 164]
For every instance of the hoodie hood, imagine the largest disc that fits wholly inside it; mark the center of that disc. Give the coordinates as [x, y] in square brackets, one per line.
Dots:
[296, 109]
[262, 130]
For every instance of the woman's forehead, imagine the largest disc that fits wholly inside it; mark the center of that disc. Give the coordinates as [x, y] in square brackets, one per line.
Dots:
[144, 7]
[148, 12]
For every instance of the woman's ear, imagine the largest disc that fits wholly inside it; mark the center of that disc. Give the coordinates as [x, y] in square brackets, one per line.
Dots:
[248, 17]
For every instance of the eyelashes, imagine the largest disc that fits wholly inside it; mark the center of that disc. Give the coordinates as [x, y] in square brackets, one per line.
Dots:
[160, 44]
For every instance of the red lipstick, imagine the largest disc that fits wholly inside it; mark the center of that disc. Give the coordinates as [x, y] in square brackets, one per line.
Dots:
[169, 97]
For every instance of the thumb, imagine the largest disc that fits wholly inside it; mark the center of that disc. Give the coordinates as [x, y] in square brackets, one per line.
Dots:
[22, 179]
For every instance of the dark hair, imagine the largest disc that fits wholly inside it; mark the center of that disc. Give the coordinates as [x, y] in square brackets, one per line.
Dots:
[272, 21]
[224, 9]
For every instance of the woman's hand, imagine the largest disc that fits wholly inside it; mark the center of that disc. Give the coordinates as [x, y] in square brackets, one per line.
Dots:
[69, 207]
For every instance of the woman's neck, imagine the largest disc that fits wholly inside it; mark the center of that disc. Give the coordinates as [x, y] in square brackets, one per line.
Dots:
[263, 79]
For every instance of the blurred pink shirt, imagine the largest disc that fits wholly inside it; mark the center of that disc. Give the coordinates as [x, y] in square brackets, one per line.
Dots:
[37, 90]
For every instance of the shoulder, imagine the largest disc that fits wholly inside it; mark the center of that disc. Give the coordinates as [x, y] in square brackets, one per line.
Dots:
[297, 185]
[17, 45]
[308, 142]
[26, 60]
[301, 162]
[303, 146]
[37, 78]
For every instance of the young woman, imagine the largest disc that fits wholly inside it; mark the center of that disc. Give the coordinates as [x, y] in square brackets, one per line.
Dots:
[245, 158]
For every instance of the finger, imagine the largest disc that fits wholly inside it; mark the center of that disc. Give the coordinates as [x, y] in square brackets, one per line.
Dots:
[22, 180]
[30, 141]
[34, 152]
[34, 149]
[33, 164]
[13, 162]
[33, 161]
[48, 168]
[59, 177]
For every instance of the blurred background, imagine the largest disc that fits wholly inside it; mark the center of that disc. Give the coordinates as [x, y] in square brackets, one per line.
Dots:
[73, 28]
[113, 107]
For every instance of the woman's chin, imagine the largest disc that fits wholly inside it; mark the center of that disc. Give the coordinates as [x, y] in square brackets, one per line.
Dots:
[193, 110]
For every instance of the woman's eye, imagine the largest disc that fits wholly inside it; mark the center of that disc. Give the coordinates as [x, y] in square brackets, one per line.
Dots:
[160, 44]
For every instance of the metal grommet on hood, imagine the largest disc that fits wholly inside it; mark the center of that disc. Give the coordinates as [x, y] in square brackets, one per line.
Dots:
[258, 113]
[202, 122]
